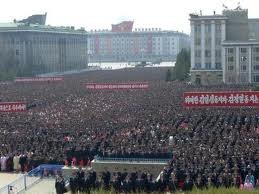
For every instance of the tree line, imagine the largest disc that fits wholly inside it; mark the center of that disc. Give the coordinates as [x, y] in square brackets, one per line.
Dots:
[182, 67]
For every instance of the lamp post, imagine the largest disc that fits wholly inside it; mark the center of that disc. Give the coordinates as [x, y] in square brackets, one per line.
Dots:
[142, 53]
[89, 53]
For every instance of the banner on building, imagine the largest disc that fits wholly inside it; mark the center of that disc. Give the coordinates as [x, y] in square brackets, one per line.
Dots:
[120, 86]
[221, 99]
[39, 79]
[125, 26]
[13, 107]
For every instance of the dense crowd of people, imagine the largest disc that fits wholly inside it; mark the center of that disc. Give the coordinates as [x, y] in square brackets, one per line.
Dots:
[138, 182]
[65, 121]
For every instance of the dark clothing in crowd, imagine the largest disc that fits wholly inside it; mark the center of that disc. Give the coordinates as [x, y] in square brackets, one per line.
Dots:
[74, 124]
[60, 185]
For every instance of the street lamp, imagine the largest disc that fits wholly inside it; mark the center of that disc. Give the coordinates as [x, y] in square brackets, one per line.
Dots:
[89, 53]
[142, 53]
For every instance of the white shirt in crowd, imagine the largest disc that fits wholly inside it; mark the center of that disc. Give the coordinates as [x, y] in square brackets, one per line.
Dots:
[3, 163]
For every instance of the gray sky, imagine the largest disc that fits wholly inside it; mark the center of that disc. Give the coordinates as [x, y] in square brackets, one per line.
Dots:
[99, 14]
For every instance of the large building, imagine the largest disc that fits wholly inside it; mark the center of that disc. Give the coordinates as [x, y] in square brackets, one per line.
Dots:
[122, 44]
[37, 49]
[224, 48]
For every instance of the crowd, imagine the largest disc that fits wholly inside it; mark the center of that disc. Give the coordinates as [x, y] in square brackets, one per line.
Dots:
[65, 121]
[138, 182]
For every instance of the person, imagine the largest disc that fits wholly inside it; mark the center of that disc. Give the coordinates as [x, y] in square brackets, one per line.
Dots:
[16, 159]
[80, 177]
[60, 185]
[188, 184]
[74, 123]
[257, 184]
[72, 183]
[173, 184]
[249, 182]
[106, 177]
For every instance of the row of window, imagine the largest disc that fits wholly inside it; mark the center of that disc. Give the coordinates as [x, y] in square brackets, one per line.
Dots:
[142, 44]
[131, 43]
[232, 79]
[207, 53]
[231, 59]
[242, 50]
[208, 41]
[208, 66]
[207, 27]
[132, 40]
[243, 68]
[44, 42]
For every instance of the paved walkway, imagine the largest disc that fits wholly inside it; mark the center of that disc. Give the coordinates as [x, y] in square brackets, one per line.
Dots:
[45, 186]
[6, 178]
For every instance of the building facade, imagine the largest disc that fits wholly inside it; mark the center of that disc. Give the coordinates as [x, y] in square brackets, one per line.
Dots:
[222, 47]
[42, 49]
[207, 34]
[241, 62]
[125, 45]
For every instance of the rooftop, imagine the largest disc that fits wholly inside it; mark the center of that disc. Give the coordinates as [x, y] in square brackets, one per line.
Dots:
[195, 17]
[15, 27]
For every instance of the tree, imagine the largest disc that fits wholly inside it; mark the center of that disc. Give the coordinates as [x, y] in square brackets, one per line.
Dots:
[168, 75]
[182, 65]
[256, 87]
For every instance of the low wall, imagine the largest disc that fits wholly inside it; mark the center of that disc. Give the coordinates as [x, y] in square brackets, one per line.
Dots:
[149, 167]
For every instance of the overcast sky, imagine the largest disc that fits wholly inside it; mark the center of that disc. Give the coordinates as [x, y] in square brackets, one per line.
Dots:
[100, 14]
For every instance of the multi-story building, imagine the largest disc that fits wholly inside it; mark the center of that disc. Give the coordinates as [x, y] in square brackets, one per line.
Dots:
[42, 48]
[122, 44]
[224, 47]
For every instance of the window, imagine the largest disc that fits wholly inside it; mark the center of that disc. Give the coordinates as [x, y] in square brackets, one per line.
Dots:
[207, 28]
[198, 41]
[218, 27]
[208, 41]
[243, 50]
[197, 66]
[256, 49]
[198, 53]
[243, 68]
[256, 67]
[218, 65]
[257, 59]
[230, 68]
[256, 78]
[230, 50]
[16, 52]
[218, 41]
[207, 53]
[197, 28]
[208, 65]
[231, 59]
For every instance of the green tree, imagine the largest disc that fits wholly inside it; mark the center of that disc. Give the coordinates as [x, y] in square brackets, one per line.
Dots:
[256, 88]
[182, 65]
[168, 75]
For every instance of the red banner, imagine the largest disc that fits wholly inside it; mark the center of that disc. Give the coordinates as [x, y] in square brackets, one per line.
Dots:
[221, 99]
[125, 26]
[38, 79]
[121, 86]
[13, 107]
